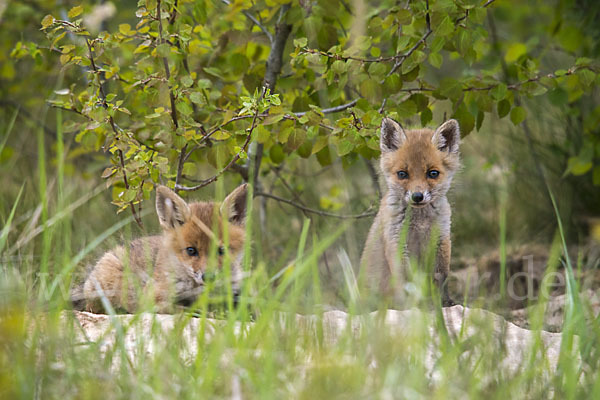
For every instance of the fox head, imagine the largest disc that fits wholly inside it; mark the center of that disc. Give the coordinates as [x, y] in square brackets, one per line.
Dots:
[418, 165]
[194, 237]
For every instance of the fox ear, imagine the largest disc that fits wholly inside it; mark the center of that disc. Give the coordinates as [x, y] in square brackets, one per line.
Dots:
[234, 205]
[172, 210]
[447, 136]
[392, 135]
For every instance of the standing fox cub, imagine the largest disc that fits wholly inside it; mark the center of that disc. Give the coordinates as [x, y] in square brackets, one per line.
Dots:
[174, 267]
[418, 166]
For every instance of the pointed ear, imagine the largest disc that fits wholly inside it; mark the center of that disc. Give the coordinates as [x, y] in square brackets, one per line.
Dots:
[447, 136]
[234, 205]
[392, 135]
[172, 210]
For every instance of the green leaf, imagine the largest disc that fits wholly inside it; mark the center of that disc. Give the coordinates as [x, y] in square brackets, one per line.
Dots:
[163, 50]
[499, 92]
[125, 29]
[392, 84]
[465, 119]
[297, 137]
[406, 109]
[344, 146]
[570, 37]
[369, 89]
[75, 11]
[214, 72]
[503, 108]
[324, 157]
[436, 59]
[480, 117]
[338, 66]
[128, 195]
[426, 116]
[184, 108]
[377, 70]
[413, 60]
[517, 115]
[190, 168]
[515, 51]
[276, 153]
[305, 149]
[450, 88]
[300, 42]
[577, 166]
[204, 83]
[586, 77]
[583, 62]
[262, 134]
[445, 27]
[197, 97]
[187, 81]
[47, 21]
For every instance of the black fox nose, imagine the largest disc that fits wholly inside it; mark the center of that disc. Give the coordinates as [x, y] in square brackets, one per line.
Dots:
[417, 197]
[208, 276]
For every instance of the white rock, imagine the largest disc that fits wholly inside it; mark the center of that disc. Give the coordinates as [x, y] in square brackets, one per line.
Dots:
[461, 323]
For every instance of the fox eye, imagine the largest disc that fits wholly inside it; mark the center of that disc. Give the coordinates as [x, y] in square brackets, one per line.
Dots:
[402, 174]
[221, 250]
[433, 174]
[191, 251]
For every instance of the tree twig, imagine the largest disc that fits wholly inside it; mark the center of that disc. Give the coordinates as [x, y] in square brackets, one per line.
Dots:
[428, 32]
[233, 160]
[166, 66]
[332, 110]
[365, 214]
[255, 21]
[275, 59]
[111, 121]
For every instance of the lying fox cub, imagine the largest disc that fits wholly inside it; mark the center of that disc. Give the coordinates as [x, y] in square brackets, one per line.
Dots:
[418, 166]
[174, 267]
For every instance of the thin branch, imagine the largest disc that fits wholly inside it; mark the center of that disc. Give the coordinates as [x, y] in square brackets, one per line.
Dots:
[273, 70]
[332, 110]
[429, 31]
[346, 58]
[365, 214]
[487, 3]
[111, 121]
[347, 7]
[182, 154]
[398, 58]
[233, 160]
[536, 78]
[166, 66]
[274, 62]
[383, 103]
[255, 21]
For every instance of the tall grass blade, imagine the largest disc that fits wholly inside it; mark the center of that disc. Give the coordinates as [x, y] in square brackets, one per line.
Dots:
[7, 225]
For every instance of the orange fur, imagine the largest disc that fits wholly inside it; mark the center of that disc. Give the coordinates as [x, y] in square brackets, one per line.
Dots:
[163, 267]
[407, 161]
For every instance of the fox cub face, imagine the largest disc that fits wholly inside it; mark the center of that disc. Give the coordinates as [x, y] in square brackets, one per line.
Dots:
[418, 165]
[194, 237]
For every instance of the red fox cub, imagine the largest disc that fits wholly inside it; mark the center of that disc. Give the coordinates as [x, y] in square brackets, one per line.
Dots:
[174, 267]
[418, 166]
